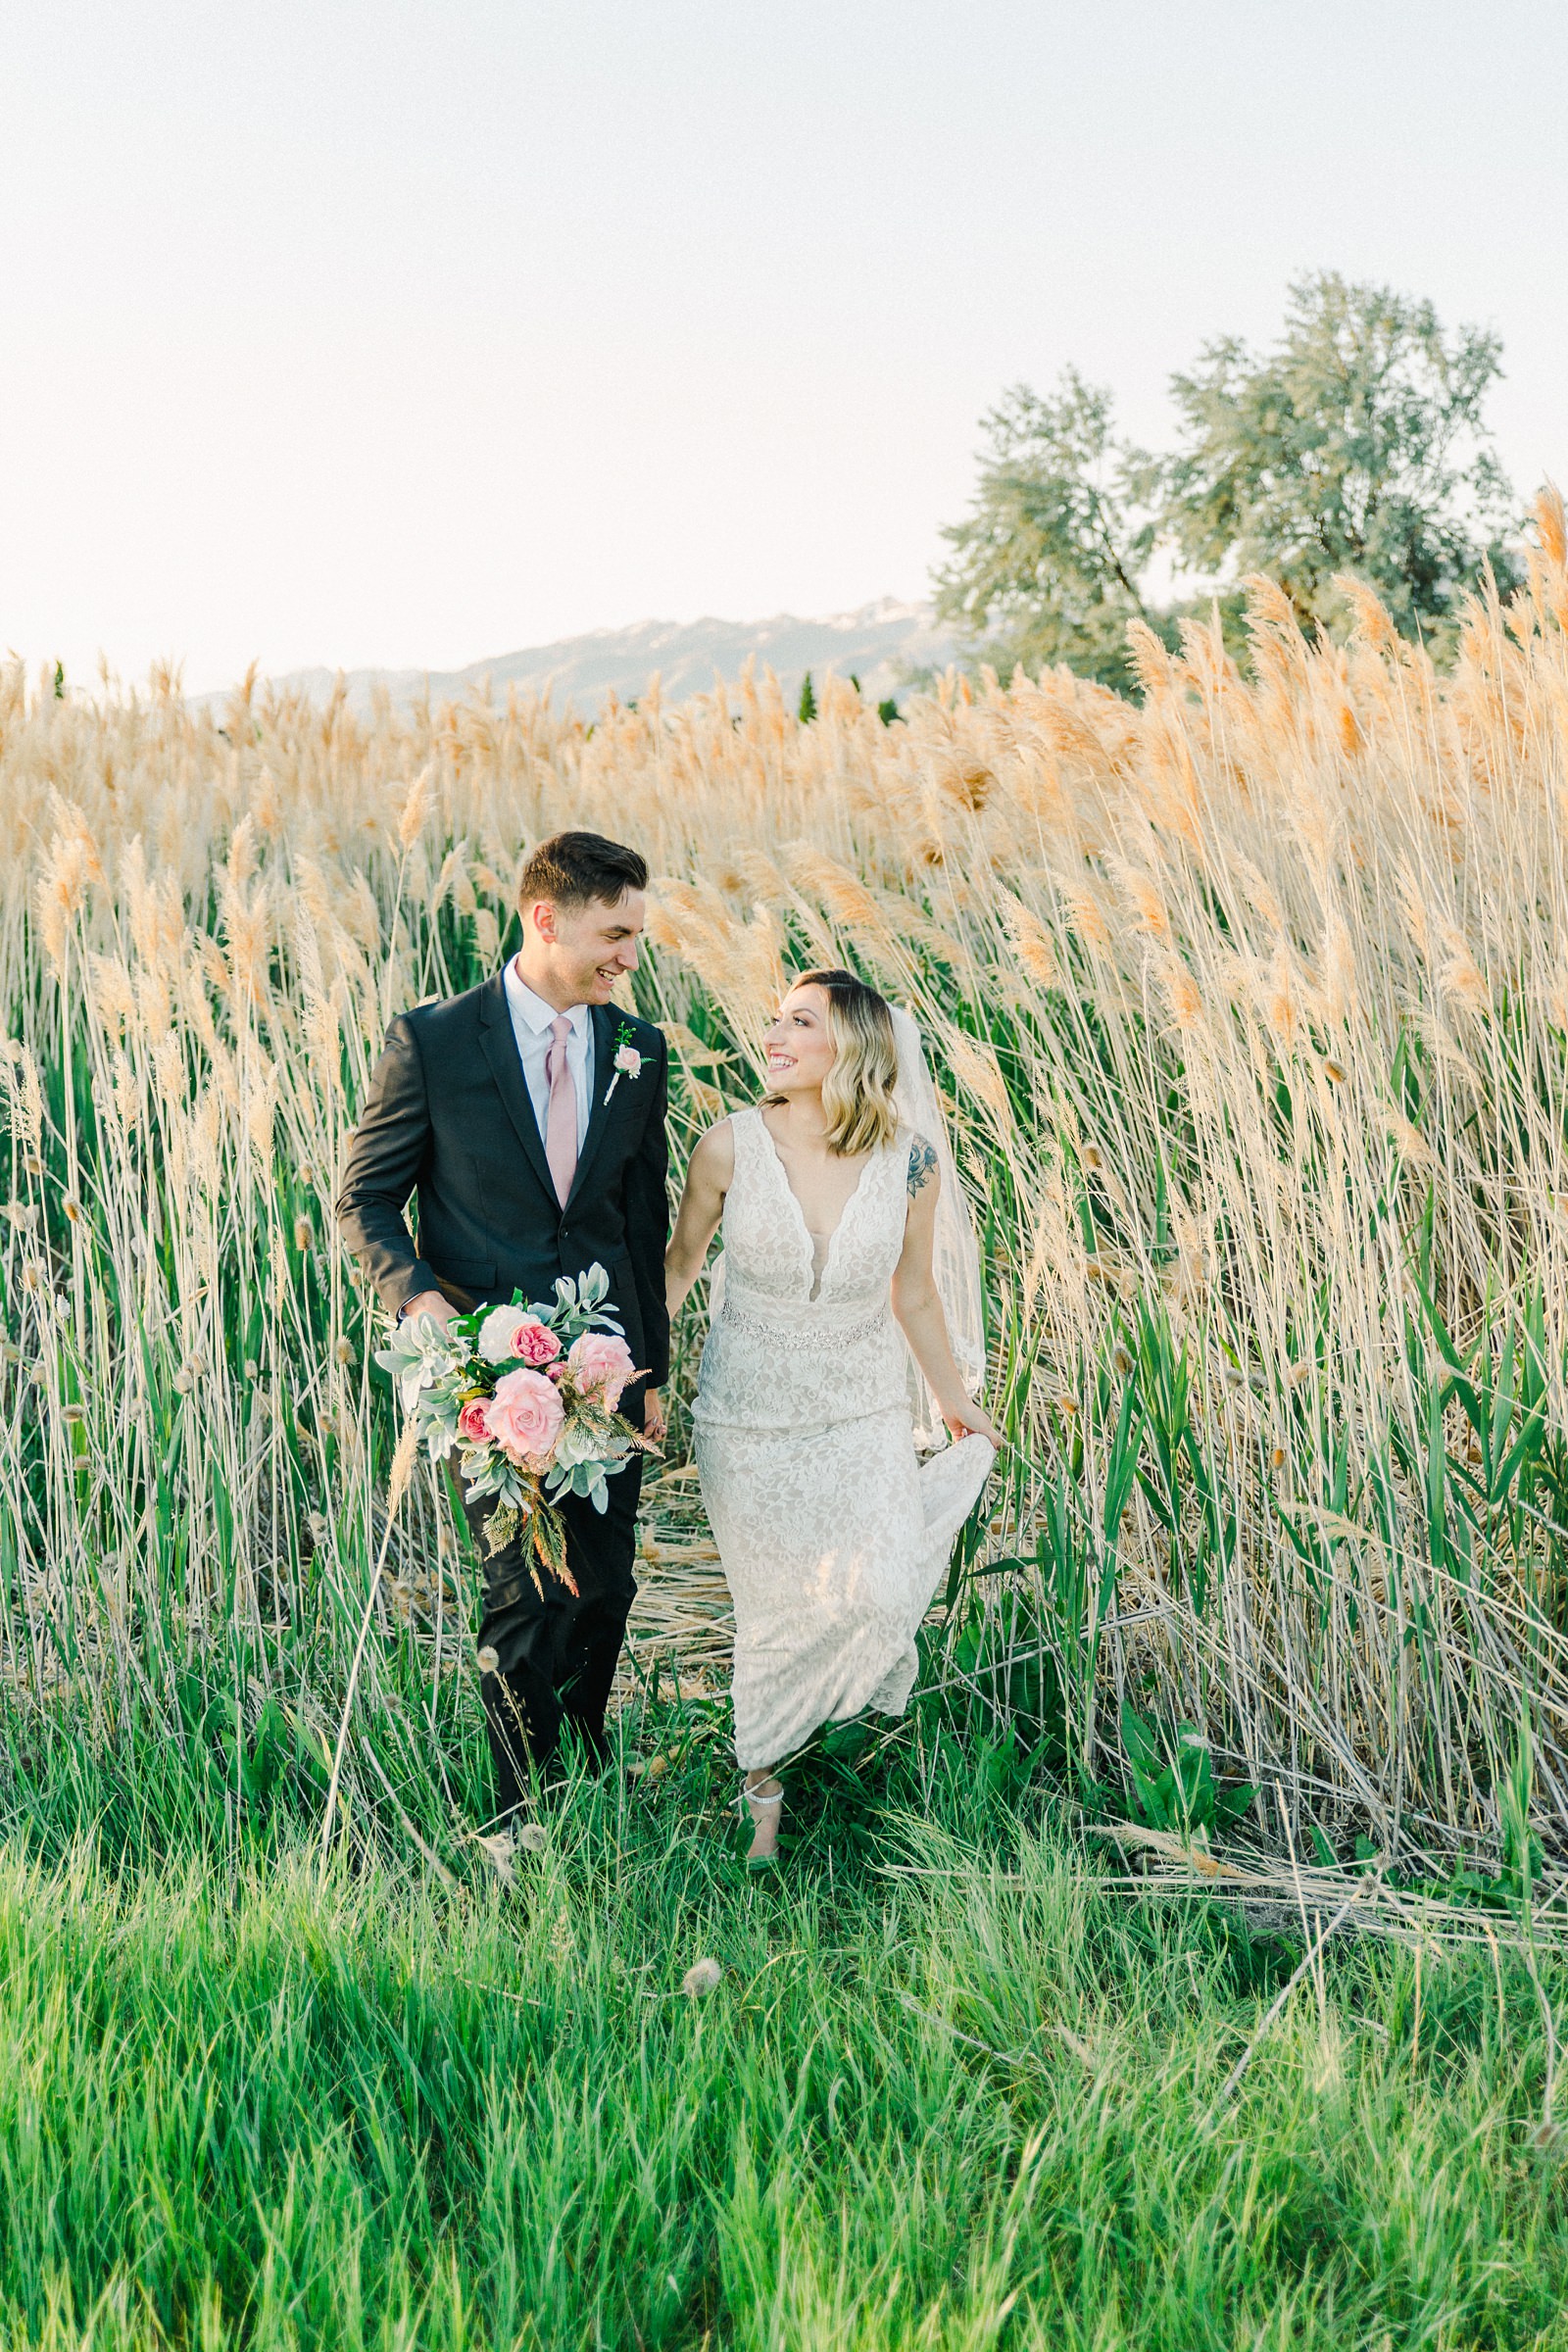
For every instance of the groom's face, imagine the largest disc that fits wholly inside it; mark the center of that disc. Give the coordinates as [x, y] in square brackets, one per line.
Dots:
[587, 949]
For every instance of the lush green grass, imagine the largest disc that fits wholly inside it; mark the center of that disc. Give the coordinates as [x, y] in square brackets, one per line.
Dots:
[946, 2094]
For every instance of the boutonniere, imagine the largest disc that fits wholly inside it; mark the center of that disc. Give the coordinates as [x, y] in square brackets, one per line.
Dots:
[628, 1061]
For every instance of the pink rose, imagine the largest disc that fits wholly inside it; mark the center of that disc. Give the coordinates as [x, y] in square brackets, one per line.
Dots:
[525, 1417]
[600, 1365]
[535, 1341]
[473, 1427]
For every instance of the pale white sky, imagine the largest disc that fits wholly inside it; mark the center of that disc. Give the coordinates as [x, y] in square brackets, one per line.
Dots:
[414, 332]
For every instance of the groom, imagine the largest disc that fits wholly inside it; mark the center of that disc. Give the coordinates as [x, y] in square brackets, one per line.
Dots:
[528, 1116]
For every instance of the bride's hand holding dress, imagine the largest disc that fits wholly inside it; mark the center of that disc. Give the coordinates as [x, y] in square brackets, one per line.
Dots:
[918, 1306]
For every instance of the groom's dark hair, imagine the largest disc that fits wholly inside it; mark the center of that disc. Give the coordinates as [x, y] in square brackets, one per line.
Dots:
[571, 869]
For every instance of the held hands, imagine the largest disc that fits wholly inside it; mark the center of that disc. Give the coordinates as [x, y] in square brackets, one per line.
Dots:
[654, 1425]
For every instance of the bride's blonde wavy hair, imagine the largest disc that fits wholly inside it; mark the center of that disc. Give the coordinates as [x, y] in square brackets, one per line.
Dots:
[858, 1090]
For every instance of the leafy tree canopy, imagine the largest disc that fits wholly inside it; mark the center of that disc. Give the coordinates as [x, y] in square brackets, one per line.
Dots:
[1045, 568]
[1358, 445]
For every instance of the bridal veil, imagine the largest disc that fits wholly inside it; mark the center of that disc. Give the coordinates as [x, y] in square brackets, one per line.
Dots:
[955, 1250]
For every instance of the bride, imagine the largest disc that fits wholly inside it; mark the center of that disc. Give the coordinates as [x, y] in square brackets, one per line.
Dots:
[842, 1219]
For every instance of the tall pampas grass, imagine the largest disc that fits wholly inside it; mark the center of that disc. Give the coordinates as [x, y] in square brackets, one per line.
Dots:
[1248, 1002]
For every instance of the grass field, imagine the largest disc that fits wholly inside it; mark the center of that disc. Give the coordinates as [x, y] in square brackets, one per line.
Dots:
[1250, 1003]
[946, 2094]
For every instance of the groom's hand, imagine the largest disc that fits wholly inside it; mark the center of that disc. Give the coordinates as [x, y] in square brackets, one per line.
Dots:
[653, 1424]
[429, 1302]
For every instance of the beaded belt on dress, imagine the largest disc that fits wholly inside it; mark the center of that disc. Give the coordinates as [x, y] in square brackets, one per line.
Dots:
[798, 1337]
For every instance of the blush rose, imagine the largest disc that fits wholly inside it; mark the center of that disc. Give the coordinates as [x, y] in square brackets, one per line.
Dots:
[525, 1416]
[472, 1426]
[535, 1341]
[601, 1365]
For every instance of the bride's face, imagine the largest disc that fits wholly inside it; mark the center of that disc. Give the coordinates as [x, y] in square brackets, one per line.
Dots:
[798, 1049]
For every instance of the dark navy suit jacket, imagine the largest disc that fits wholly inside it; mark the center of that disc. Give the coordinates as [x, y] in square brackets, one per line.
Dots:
[449, 1118]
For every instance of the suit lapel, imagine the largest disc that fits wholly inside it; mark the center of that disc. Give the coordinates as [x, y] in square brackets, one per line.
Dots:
[603, 1018]
[506, 1068]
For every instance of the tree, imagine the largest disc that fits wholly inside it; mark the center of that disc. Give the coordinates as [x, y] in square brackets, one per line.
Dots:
[1045, 568]
[1358, 445]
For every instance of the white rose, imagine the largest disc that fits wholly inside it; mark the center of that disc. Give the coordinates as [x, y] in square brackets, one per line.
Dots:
[496, 1334]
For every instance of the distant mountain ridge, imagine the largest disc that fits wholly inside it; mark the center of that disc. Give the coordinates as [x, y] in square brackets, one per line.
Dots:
[880, 644]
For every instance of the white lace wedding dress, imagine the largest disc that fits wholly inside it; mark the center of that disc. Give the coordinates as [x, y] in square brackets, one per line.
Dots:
[834, 1536]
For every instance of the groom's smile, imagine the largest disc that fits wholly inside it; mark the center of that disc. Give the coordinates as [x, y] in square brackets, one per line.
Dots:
[576, 954]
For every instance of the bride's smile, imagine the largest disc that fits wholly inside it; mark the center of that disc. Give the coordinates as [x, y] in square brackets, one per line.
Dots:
[798, 1051]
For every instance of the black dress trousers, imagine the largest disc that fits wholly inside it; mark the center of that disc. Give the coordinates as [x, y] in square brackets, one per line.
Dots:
[556, 1654]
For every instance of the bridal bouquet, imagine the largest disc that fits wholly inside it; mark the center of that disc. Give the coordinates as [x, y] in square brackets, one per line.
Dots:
[525, 1396]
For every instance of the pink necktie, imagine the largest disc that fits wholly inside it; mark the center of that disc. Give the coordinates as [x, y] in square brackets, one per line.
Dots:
[561, 1118]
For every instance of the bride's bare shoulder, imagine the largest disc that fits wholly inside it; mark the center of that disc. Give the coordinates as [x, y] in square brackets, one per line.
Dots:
[713, 1154]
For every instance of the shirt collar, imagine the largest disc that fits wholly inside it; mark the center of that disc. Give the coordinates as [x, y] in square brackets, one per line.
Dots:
[535, 1011]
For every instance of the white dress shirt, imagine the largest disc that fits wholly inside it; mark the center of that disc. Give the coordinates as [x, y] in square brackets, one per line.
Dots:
[531, 1019]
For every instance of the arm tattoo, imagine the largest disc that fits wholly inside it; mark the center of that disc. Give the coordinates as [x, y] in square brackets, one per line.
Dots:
[922, 1159]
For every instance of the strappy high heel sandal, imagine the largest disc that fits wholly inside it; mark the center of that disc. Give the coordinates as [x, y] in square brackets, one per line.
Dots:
[754, 1796]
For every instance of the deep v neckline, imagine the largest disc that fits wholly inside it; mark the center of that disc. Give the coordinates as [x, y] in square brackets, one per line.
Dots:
[817, 1283]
